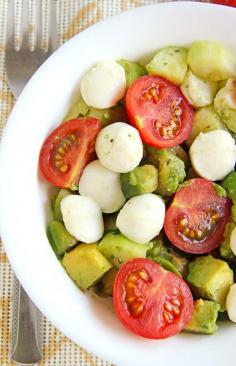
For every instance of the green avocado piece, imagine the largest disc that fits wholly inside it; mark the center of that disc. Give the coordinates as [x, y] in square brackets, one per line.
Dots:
[57, 204]
[221, 192]
[210, 279]
[59, 238]
[106, 116]
[169, 62]
[143, 179]
[167, 265]
[110, 222]
[133, 70]
[85, 264]
[225, 249]
[180, 263]
[118, 249]
[181, 154]
[233, 213]
[158, 249]
[229, 184]
[104, 287]
[204, 317]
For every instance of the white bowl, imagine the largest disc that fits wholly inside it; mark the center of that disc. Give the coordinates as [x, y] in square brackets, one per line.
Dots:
[24, 197]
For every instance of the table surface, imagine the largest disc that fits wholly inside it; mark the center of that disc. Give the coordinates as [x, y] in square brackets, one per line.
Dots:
[72, 17]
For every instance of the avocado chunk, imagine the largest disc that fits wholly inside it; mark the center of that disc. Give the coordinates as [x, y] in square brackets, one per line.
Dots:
[205, 120]
[204, 317]
[59, 238]
[110, 222]
[133, 70]
[104, 287]
[210, 279]
[181, 154]
[211, 61]
[85, 264]
[143, 179]
[118, 249]
[221, 192]
[225, 104]
[169, 62]
[167, 265]
[229, 184]
[225, 249]
[57, 204]
[106, 116]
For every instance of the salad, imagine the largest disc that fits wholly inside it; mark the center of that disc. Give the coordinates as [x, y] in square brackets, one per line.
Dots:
[146, 210]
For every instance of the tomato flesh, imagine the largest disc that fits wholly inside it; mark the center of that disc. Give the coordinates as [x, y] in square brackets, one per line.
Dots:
[151, 301]
[67, 150]
[158, 109]
[225, 2]
[195, 220]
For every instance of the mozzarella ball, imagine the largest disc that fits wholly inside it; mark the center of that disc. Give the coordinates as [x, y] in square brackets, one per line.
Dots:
[213, 154]
[104, 85]
[233, 241]
[231, 303]
[119, 147]
[142, 217]
[82, 218]
[103, 186]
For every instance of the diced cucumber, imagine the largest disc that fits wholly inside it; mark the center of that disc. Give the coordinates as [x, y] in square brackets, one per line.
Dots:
[59, 238]
[211, 61]
[205, 119]
[133, 70]
[118, 249]
[57, 204]
[197, 91]
[85, 264]
[169, 62]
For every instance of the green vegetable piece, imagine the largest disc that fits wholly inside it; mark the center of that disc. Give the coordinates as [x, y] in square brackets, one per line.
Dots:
[225, 105]
[133, 70]
[205, 119]
[158, 249]
[171, 172]
[167, 265]
[59, 238]
[211, 61]
[233, 213]
[181, 154]
[225, 249]
[229, 184]
[180, 263]
[85, 264]
[118, 249]
[210, 279]
[57, 204]
[106, 116]
[104, 287]
[169, 62]
[204, 317]
[220, 190]
[143, 179]
[110, 222]
[197, 91]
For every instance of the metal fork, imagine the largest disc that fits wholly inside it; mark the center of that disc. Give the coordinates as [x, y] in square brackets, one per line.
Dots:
[21, 63]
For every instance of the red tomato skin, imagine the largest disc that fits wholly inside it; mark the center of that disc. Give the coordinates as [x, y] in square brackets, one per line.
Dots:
[151, 325]
[82, 153]
[225, 2]
[143, 114]
[195, 195]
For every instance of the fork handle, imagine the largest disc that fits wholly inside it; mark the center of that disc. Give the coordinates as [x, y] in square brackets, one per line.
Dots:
[26, 331]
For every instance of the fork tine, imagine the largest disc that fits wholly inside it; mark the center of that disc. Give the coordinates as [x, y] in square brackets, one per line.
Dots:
[39, 24]
[25, 24]
[52, 27]
[10, 25]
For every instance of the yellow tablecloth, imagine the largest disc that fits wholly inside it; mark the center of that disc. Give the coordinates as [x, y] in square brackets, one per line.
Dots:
[72, 17]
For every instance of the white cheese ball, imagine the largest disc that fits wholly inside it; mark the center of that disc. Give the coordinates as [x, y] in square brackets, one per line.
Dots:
[103, 186]
[213, 154]
[119, 147]
[82, 217]
[104, 85]
[233, 241]
[231, 303]
[142, 217]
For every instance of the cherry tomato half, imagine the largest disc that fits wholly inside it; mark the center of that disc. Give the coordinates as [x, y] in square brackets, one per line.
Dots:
[151, 301]
[67, 150]
[225, 2]
[160, 112]
[196, 218]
